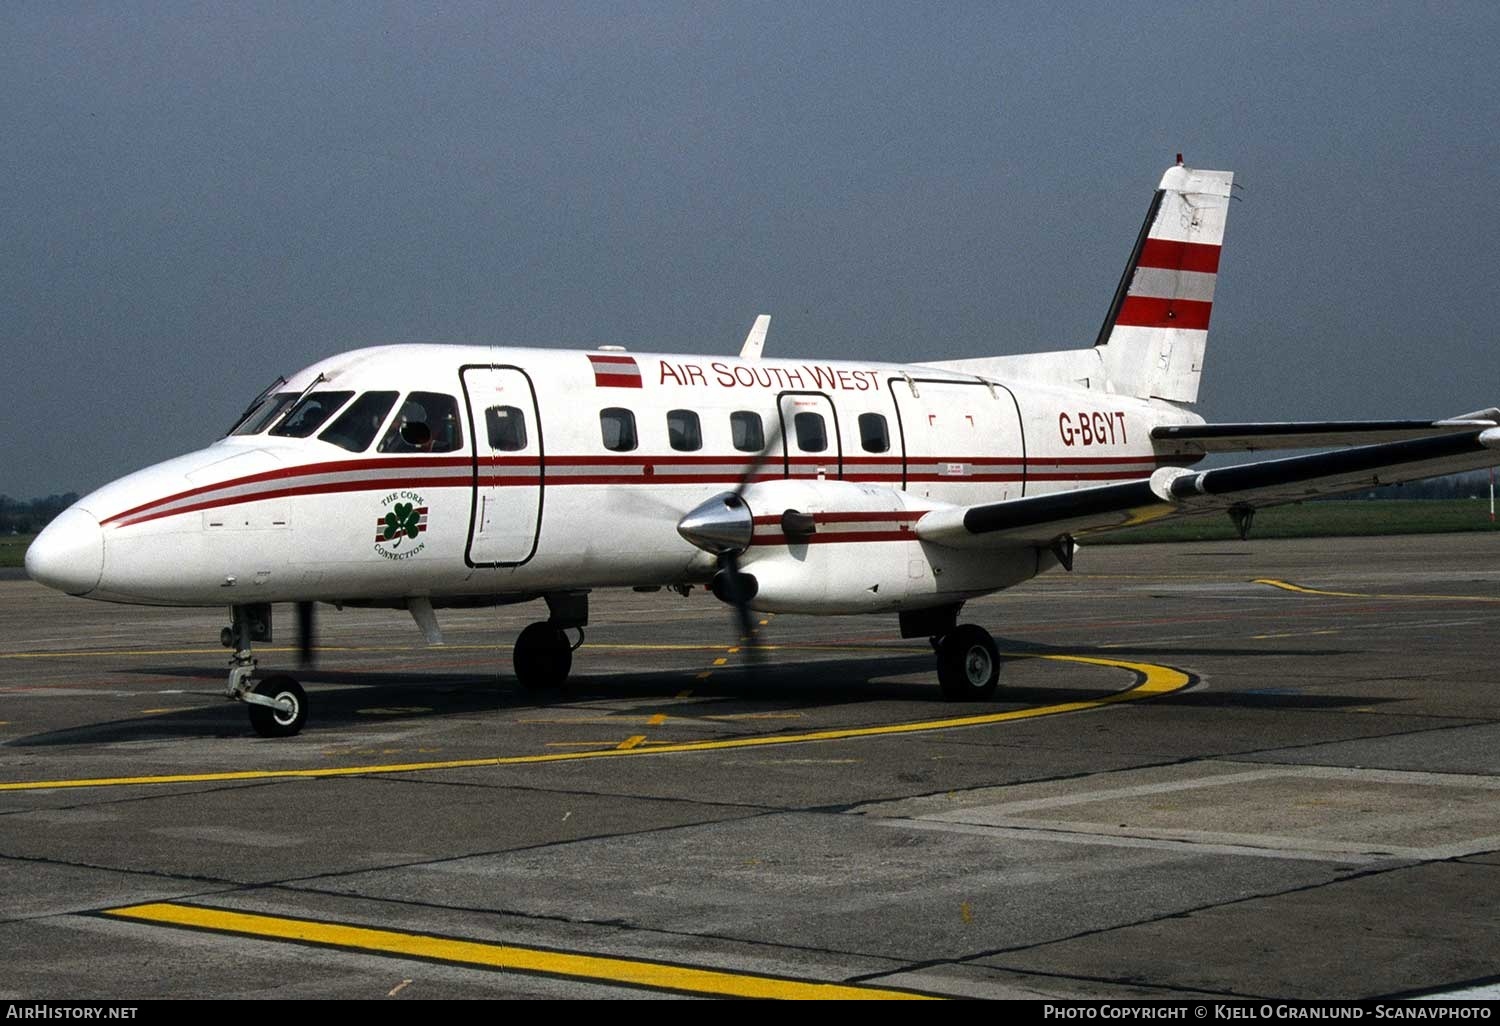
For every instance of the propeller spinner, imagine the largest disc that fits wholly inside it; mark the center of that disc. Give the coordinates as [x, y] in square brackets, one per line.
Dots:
[722, 526]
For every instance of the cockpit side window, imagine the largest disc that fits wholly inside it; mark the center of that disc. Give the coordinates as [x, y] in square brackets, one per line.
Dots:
[357, 426]
[309, 415]
[439, 414]
[260, 416]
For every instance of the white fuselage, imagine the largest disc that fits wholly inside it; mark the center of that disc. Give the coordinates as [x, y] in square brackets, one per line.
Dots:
[569, 470]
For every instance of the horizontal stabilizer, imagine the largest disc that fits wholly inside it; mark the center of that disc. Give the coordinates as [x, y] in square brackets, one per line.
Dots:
[1200, 439]
[1173, 492]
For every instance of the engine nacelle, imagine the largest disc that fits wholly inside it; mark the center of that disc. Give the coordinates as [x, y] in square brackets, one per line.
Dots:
[843, 547]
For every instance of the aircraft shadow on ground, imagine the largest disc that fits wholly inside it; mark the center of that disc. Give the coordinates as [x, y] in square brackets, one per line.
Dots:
[370, 699]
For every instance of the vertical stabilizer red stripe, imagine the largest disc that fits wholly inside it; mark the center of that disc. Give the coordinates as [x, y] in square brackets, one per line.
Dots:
[1180, 256]
[1151, 312]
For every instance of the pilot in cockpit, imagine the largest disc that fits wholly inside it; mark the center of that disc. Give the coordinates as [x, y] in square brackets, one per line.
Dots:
[427, 422]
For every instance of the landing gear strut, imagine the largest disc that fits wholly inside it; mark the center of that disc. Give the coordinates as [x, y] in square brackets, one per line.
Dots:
[543, 652]
[278, 705]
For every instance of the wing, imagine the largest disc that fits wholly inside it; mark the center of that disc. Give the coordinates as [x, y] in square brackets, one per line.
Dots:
[1175, 492]
[1201, 439]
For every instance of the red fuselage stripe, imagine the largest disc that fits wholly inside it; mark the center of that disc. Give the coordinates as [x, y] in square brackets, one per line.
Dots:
[882, 516]
[777, 538]
[406, 473]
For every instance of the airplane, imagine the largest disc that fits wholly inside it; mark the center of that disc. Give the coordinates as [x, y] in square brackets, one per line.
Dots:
[432, 476]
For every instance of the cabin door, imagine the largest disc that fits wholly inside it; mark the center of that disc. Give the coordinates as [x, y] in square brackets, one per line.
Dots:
[963, 440]
[810, 438]
[509, 470]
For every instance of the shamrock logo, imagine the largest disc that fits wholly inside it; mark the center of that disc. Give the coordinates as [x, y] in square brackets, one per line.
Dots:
[401, 522]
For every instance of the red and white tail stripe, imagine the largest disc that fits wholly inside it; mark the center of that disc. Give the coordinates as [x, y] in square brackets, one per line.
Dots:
[1154, 337]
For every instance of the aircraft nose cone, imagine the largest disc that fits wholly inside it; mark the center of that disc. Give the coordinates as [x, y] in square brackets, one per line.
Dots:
[722, 524]
[69, 553]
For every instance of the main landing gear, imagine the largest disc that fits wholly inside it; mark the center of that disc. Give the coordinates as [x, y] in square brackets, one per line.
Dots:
[968, 663]
[544, 652]
[277, 705]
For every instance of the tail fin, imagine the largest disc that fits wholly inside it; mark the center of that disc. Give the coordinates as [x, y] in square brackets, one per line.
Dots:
[1153, 339]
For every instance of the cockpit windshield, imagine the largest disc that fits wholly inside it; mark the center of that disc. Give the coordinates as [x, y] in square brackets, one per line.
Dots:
[308, 415]
[263, 413]
[255, 406]
[358, 424]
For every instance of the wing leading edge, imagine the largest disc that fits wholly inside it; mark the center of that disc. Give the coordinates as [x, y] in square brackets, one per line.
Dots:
[1173, 492]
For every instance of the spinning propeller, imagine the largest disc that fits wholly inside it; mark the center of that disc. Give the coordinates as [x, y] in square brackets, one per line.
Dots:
[305, 633]
[723, 527]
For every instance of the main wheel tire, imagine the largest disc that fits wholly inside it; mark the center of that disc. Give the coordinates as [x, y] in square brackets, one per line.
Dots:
[968, 664]
[543, 657]
[269, 722]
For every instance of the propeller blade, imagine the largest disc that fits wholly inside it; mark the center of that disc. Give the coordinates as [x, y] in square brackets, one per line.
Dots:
[771, 446]
[737, 593]
[723, 526]
[305, 633]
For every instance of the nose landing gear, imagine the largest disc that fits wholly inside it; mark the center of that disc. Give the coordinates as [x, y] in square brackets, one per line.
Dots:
[277, 705]
[285, 708]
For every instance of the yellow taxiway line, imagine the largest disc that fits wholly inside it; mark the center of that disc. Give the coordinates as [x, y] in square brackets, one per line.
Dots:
[1152, 681]
[572, 965]
[1288, 586]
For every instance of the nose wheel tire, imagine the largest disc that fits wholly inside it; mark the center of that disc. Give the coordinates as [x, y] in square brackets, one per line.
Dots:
[968, 664]
[269, 722]
[543, 657]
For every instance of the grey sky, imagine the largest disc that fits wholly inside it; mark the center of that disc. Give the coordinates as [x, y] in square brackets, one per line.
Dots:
[198, 197]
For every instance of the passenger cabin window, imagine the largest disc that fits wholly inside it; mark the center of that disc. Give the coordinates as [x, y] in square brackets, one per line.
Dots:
[617, 425]
[265, 413]
[746, 429]
[434, 412]
[309, 415]
[873, 434]
[507, 428]
[357, 426]
[684, 431]
[812, 433]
